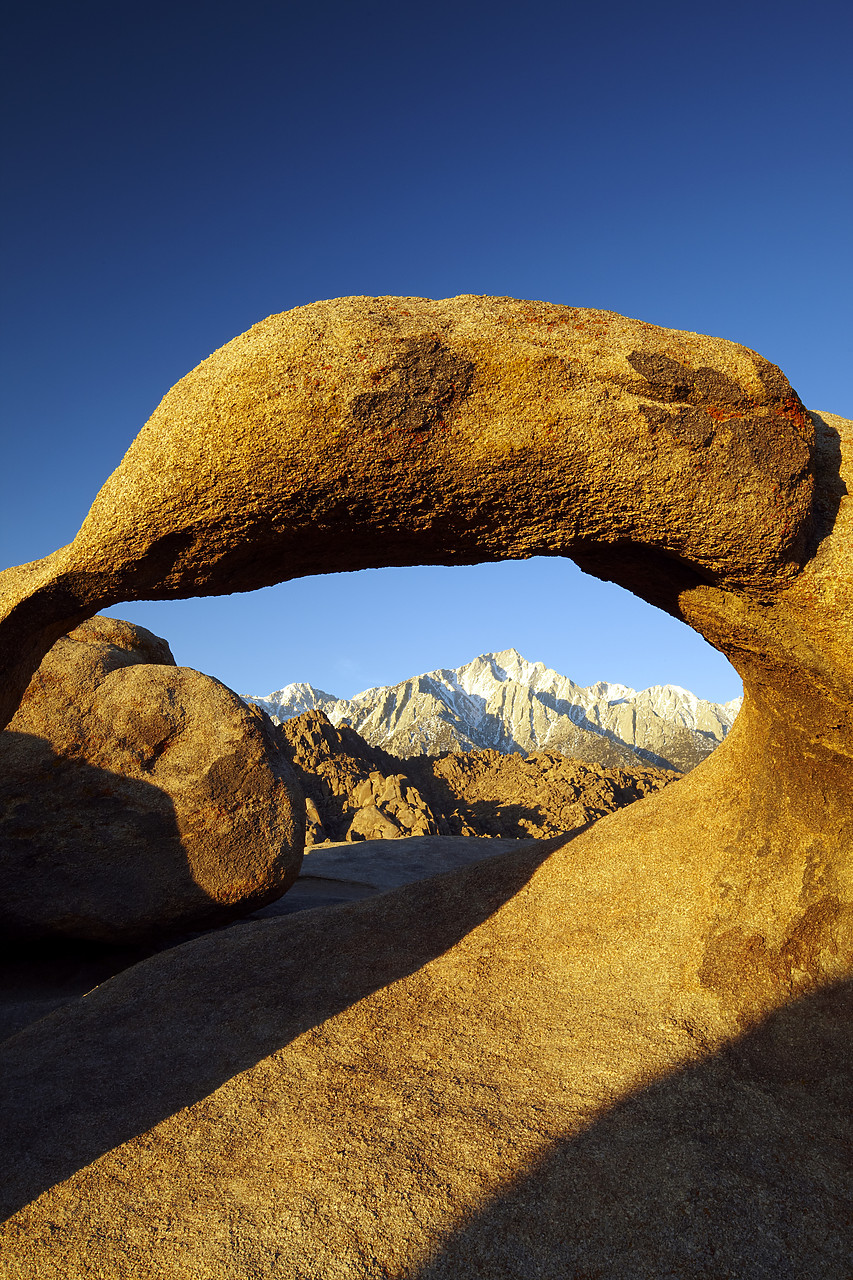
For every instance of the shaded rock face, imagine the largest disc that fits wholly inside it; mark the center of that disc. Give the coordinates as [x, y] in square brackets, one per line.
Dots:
[137, 797]
[357, 792]
[621, 1054]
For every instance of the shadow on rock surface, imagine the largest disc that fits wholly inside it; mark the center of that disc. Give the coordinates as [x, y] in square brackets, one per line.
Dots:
[740, 1166]
[170, 1030]
[38, 977]
[94, 853]
[87, 852]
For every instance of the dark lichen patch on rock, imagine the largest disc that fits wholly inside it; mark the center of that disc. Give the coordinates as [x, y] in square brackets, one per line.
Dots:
[689, 426]
[774, 381]
[667, 379]
[672, 382]
[708, 398]
[417, 391]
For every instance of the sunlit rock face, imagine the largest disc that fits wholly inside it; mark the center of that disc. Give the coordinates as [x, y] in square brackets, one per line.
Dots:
[352, 790]
[364, 432]
[624, 1054]
[501, 701]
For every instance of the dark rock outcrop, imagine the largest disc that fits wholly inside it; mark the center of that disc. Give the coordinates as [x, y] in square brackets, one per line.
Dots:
[487, 793]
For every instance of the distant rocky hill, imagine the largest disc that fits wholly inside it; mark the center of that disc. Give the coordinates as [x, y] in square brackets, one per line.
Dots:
[354, 791]
[501, 701]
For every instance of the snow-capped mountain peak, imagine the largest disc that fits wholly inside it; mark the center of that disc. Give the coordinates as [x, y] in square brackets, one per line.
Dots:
[501, 700]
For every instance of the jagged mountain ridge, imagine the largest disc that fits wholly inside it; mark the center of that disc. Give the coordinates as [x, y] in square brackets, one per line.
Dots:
[502, 701]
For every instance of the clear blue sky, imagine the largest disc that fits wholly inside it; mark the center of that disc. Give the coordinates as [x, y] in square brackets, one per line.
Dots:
[175, 172]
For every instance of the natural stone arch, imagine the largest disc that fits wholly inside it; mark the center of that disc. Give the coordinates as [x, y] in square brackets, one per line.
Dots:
[367, 432]
[490, 1015]
[363, 433]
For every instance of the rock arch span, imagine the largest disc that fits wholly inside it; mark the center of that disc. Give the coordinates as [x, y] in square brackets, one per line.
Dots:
[367, 432]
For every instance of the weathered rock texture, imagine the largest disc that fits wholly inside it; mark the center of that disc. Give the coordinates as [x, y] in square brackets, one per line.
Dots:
[357, 792]
[487, 793]
[367, 432]
[499, 700]
[137, 797]
[626, 1054]
[352, 791]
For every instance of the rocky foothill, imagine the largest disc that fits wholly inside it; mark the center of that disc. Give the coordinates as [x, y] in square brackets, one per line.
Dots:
[622, 1052]
[357, 792]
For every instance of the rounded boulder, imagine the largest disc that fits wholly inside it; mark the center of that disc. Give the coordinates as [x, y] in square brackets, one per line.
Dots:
[138, 797]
